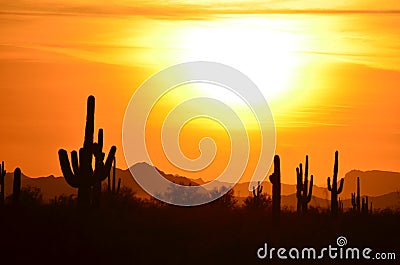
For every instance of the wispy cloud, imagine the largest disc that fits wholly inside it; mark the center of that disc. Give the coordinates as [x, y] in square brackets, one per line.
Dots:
[192, 9]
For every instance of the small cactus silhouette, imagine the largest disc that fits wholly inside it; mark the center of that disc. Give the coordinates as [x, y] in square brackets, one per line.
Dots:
[341, 206]
[16, 186]
[81, 175]
[304, 192]
[360, 205]
[257, 191]
[356, 198]
[2, 175]
[275, 179]
[334, 189]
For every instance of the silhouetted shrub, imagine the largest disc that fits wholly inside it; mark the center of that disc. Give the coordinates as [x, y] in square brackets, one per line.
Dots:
[63, 200]
[228, 200]
[262, 202]
[29, 196]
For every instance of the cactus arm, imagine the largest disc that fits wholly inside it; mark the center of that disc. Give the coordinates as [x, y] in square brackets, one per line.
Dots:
[119, 186]
[97, 148]
[102, 170]
[254, 192]
[301, 173]
[89, 128]
[69, 176]
[340, 186]
[329, 184]
[272, 178]
[74, 162]
[109, 162]
[100, 138]
[110, 159]
[309, 197]
[260, 189]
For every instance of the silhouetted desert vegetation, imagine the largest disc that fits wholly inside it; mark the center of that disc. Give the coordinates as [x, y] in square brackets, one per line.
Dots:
[129, 230]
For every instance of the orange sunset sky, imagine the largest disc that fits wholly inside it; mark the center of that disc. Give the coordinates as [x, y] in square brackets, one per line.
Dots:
[330, 72]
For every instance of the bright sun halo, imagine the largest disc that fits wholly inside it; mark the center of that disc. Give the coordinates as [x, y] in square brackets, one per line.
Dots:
[261, 51]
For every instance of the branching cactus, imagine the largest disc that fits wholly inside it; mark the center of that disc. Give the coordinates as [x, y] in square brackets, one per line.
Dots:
[364, 206]
[16, 186]
[257, 191]
[82, 175]
[304, 191]
[275, 179]
[2, 175]
[334, 189]
[360, 205]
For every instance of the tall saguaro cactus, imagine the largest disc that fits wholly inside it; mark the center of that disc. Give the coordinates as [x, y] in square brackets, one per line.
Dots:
[16, 186]
[334, 189]
[82, 175]
[2, 175]
[304, 192]
[275, 179]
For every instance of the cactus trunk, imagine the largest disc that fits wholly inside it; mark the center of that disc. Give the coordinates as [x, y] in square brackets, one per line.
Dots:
[275, 179]
[16, 186]
[334, 188]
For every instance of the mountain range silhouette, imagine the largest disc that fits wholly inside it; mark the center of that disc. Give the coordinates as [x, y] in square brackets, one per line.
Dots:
[383, 187]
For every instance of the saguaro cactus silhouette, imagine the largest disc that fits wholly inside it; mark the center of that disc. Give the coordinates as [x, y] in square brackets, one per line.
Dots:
[341, 206]
[356, 198]
[360, 205]
[334, 189]
[275, 179]
[364, 205]
[82, 175]
[2, 175]
[16, 186]
[304, 192]
[257, 191]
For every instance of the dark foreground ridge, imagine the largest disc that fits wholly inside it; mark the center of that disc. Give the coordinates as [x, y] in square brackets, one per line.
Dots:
[131, 231]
